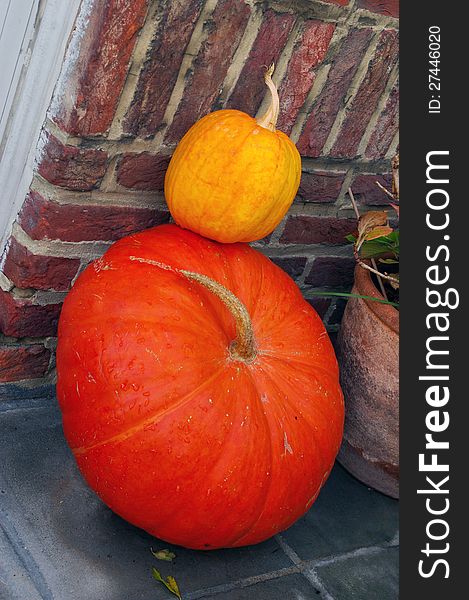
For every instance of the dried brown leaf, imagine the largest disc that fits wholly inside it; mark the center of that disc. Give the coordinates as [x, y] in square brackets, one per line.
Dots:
[378, 232]
[372, 218]
[368, 222]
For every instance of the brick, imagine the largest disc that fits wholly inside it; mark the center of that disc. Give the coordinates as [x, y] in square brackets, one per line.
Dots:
[320, 305]
[331, 98]
[367, 97]
[70, 167]
[320, 186]
[28, 270]
[19, 317]
[143, 171]
[389, 8]
[293, 265]
[386, 128]
[262, 242]
[19, 362]
[317, 230]
[100, 69]
[331, 271]
[226, 28]
[42, 218]
[308, 53]
[160, 72]
[365, 190]
[250, 88]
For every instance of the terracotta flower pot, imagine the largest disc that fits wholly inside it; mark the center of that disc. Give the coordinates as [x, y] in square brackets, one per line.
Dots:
[368, 353]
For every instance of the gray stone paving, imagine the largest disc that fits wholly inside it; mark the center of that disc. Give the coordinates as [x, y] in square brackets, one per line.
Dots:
[59, 542]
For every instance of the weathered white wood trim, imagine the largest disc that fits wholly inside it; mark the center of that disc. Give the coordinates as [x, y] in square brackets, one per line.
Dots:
[16, 26]
[53, 24]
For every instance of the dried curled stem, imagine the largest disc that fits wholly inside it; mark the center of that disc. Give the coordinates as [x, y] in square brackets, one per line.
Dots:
[243, 347]
[270, 117]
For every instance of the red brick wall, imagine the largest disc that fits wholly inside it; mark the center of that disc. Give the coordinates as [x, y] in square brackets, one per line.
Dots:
[137, 76]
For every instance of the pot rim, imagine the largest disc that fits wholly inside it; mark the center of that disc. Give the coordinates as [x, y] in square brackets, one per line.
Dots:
[389, 315]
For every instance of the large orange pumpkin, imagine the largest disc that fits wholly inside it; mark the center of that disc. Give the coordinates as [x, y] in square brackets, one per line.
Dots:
[199, 391]
[232, 178]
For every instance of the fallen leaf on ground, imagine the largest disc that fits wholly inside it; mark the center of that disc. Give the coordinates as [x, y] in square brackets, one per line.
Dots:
[164, 554]
[170, 583]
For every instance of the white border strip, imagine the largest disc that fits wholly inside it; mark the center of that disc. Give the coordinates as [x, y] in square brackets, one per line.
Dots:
[16, 167]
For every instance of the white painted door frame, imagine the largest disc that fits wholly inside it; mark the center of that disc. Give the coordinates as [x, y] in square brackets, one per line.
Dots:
[40, 55]
[17, 21]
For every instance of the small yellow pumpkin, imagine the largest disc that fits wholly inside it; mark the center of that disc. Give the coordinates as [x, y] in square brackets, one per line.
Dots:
[232, 178]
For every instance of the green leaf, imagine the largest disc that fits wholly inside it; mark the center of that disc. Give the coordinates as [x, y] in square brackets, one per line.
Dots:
[380, 246]
[169, 582]
[346, 295]
[164, 554]
[388, 261]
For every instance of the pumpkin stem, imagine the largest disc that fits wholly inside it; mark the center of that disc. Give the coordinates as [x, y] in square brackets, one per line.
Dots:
[243, 347]
[270, 117]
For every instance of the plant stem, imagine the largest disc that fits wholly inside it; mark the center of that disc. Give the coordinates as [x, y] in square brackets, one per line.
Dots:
[354, 204]
[381, 187]
[270, 117]
[376, 272]
[380, 281]
[243, 347]
[395, 176]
